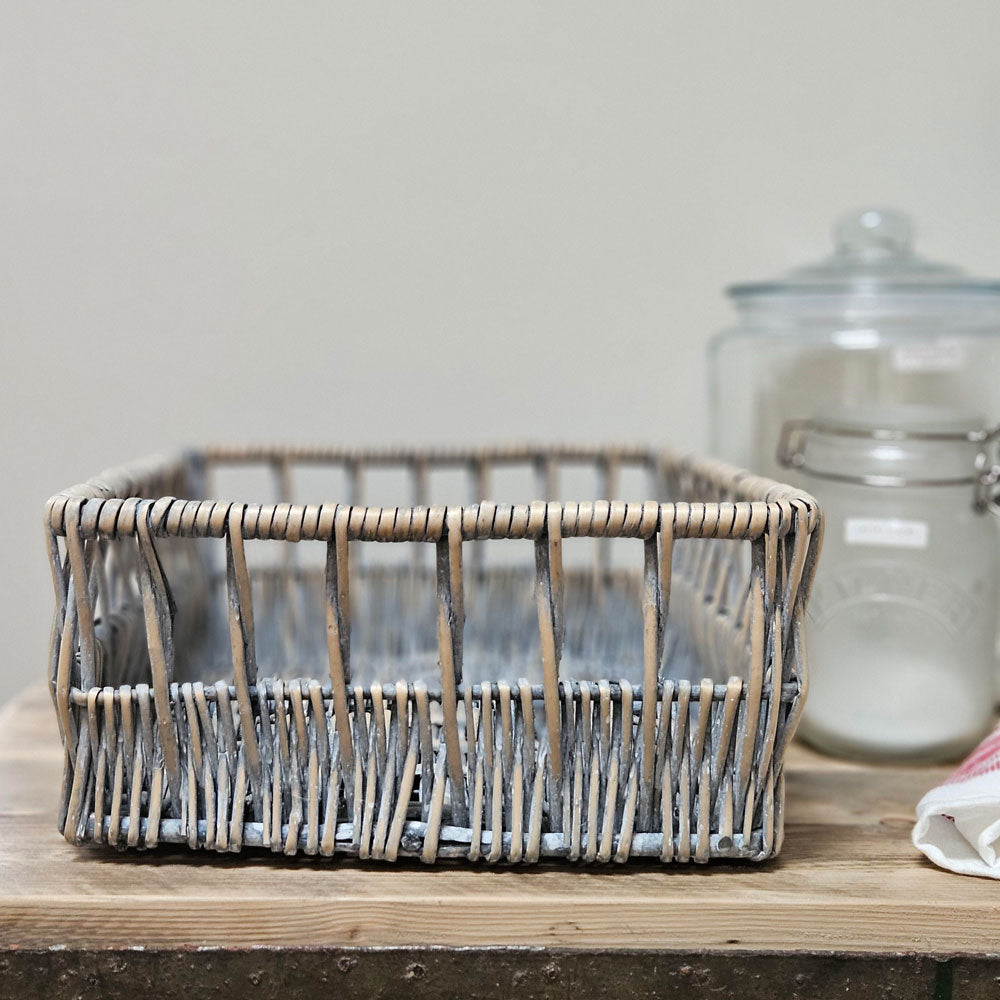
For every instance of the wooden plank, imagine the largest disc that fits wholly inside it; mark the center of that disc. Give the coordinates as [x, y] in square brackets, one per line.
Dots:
[847, 881]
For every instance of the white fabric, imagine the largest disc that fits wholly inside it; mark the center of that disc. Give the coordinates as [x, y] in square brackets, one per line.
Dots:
[958, 823]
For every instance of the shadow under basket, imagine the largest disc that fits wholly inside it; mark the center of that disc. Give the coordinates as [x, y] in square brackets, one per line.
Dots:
[503, 682]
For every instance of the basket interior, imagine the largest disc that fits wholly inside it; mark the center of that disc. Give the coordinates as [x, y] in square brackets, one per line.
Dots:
[394, 636]
[394, 602]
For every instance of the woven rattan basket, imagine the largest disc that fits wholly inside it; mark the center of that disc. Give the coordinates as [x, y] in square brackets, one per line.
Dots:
[207, 698]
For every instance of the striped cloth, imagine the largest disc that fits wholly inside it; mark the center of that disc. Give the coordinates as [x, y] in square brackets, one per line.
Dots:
[958, 823]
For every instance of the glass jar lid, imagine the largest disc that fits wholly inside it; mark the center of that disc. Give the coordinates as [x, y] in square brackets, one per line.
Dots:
[873, 256]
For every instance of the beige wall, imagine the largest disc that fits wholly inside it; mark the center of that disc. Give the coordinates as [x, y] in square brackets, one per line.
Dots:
[432, 222]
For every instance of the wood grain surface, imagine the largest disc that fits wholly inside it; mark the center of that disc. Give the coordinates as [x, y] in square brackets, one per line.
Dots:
[847, 880]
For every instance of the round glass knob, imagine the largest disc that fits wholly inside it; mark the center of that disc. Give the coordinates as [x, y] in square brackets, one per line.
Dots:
[875, 232]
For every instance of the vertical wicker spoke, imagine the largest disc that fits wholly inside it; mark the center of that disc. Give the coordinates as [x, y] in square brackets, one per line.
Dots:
[482, 480]
[755, 682]
[798, 542]
[652, 644]
[420, 491]
[609, 478]
[546, 477]
[419, 480]
[481, 488]
[241, 637]
[64, 679]
[451, 623]
[338, 631]
[281, 472]
[549, 591]
[355, 480]
[354, 469]
[60, 585]
[158, 607]
[84, 605]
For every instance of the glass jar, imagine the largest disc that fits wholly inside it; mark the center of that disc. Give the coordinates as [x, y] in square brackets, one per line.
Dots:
[901, 626]
[873, 323]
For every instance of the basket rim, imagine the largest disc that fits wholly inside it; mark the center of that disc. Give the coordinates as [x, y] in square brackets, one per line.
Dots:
[108, 504]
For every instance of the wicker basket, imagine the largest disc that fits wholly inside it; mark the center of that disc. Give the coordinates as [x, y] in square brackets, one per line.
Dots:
[177, 661]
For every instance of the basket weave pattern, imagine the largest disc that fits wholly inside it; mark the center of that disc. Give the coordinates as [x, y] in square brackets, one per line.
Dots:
[501, 769]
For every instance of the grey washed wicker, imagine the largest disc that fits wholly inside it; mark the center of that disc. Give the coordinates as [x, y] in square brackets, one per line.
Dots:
[177, 664]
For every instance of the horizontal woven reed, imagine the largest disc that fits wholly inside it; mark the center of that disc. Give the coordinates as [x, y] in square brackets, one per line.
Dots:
[403, 710]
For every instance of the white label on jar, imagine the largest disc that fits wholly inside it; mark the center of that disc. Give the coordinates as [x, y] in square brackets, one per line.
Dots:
[891, 532]
[929, 356]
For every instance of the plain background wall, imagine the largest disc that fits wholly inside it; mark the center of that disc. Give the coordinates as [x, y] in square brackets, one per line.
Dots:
[433, 221]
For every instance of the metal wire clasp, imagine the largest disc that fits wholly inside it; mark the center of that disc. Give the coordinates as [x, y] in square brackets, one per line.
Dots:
[987, 495]
[984, 477]
[792, 443]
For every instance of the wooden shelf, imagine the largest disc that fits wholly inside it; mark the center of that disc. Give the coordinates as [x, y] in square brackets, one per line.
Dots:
[847, 882]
